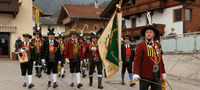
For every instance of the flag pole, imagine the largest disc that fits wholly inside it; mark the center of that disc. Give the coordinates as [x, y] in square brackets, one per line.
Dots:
[119, 20]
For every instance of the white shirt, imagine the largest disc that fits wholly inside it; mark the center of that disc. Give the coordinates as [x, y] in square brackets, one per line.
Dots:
[150, 42]
[26, 42]
[51, 42]
[127, 45]
[74, 40]
[37, 39]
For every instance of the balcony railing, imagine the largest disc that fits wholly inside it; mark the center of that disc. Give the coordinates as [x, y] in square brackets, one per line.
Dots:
[9, 6]
[135, 32]
[143, 7]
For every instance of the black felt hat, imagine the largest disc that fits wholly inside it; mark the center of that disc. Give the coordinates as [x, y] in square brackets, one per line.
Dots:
[151, 27]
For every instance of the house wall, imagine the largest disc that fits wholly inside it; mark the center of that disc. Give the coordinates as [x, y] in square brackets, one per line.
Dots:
[23, 22]
[159, 18]
[194, 24]
[89, 22]
[45, 29]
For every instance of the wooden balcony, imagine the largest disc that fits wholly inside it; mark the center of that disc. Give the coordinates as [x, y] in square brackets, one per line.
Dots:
[135, 32]
[10, 6]
[143, 7]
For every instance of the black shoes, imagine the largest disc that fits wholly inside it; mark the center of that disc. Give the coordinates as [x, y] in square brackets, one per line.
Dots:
[39, 72]
[79, 85]
[133, 84]
[55, 85]
[63, 75]
[90, 84]
[83, 73]
[100, 83]
[123, 83]
[72, 84]
[91, 80]
[49, 84]
[24, 85]
[30, 86]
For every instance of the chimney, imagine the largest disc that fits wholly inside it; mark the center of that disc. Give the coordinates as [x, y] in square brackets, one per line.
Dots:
[96, 4]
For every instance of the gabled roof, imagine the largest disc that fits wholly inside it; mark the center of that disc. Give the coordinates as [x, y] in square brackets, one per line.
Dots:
[36, 7]
[80, 11]
[48, 21]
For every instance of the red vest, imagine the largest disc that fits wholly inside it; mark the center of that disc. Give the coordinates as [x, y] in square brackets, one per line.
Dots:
[128, 51]
[27, 48]
[51, 49]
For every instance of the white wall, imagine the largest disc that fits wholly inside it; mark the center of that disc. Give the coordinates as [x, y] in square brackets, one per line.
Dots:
[159, 18]
[45, 29]
[167, 18]
[23, 22]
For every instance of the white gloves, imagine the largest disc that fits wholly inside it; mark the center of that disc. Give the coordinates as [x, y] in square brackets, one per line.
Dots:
[136, 77]
[59, 62]
[93, 48]
[81, 62]
[120, 63]
[43, 61]
[22, 50]
[66, 60]
[164, 75]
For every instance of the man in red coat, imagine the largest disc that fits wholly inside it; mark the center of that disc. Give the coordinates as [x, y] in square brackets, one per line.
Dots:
[74, 53]
[148, 62]
[83, 46]
[37, 41]
[95, 60]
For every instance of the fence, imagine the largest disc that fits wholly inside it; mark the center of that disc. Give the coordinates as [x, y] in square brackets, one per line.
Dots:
[188, 42]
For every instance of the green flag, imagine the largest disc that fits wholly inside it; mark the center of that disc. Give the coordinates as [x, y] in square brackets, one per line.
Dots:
[109, 45]
[112, 51]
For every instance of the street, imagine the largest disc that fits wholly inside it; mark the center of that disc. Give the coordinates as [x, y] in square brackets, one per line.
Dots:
[10, 79]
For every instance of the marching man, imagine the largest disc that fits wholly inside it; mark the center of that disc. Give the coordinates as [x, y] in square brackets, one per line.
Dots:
[75, 54]
[28, 48]
[148, 62]
[128, 54]
[37, 41]
[83, 46]
[62, 46]
[51, 53]
[94, 58]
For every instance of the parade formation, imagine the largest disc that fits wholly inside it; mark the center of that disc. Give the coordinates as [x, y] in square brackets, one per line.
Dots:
[52, 54]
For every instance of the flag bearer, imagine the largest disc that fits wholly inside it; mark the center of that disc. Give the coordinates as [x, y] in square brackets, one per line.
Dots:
[95, 60]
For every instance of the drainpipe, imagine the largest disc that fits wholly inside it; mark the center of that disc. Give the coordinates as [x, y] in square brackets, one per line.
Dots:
[195, 42]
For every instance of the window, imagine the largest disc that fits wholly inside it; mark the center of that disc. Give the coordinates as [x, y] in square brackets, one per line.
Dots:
[177, 15]
[123, 24]
[133, 22]
[187, 14]
[95, 27]
[129, 3]
[86, 26]
[133, 1]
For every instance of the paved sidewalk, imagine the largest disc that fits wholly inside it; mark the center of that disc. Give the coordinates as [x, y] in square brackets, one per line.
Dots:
[10, 79]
